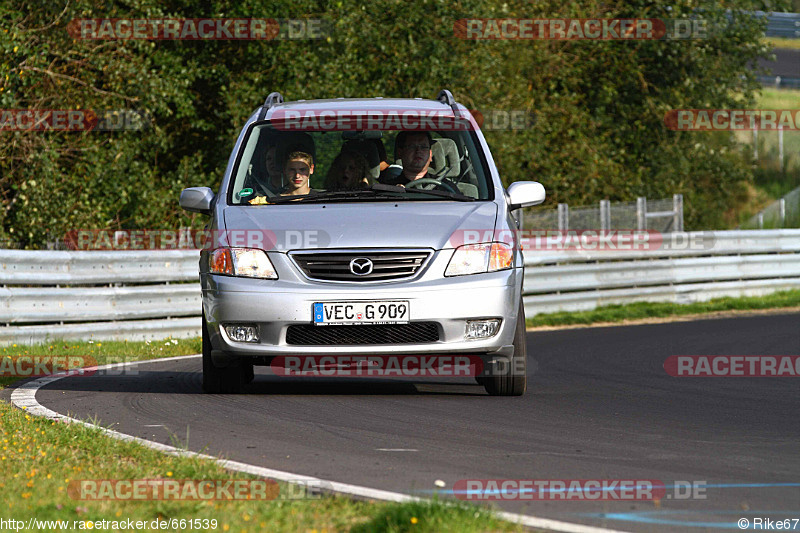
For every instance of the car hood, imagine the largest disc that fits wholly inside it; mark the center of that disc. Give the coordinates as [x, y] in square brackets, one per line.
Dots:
[433, 224]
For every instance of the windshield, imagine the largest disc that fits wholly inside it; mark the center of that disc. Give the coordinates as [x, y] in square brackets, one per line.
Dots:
[277, 167]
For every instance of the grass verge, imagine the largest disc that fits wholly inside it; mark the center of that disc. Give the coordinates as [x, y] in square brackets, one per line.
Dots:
[770, 98]
[770, 182]
[40, 458]
[780, 42]
[642, 310]
[101, 352]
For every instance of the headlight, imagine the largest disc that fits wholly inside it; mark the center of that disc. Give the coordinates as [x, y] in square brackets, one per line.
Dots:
[248, 262]
[478, 258]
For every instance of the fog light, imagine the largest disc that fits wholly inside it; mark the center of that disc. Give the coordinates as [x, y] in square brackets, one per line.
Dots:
[242, 333]
[482, 329]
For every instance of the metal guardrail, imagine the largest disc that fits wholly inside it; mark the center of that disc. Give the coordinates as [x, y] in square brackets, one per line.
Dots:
[688, 244]
[33, 267]
[26, 305]
[719, 263]
[44, 289]
[635, 274]
[135, 330]
[682, 294]
[36, 307]
[786, 25]
[780, 82]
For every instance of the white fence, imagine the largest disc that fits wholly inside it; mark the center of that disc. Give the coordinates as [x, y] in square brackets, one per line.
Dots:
[154, 294]
[665, 215]
[784, 212]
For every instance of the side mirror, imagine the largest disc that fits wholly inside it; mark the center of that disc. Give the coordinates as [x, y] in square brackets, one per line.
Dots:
[197, 199]
[525, 194]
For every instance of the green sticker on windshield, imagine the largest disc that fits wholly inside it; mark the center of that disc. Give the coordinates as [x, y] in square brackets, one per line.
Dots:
[247, 191]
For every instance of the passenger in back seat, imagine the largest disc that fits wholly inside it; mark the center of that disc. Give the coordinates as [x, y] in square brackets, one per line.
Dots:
[348, 171]
[275, 184]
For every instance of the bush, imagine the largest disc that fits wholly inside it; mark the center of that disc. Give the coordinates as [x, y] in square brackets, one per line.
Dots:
[599, 104]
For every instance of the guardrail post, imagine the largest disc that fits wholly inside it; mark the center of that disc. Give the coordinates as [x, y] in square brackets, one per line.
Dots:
[185, 238]
[605, 215]
[782, 210]
[563, 217]
[761, 221]
[641, 213]
[677, 207]
[755, 143]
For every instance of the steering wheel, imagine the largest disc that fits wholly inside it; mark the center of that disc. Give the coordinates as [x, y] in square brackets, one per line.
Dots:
[418, 183]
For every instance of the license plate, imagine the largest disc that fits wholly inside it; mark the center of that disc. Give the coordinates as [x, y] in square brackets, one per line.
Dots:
[352, 313]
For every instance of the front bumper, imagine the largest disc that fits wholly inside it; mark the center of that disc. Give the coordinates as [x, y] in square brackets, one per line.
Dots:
[275, 305]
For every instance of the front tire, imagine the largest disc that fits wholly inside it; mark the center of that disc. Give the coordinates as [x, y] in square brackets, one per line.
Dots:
[218, 379]
[511, 379]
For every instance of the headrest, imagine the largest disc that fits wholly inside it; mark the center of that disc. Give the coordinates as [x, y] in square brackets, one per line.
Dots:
[293, 141]
[445, 162]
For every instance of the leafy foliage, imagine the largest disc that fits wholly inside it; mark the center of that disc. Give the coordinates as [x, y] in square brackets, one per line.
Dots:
[599, 104]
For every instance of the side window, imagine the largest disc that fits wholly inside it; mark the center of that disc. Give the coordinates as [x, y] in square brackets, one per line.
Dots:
[241, 187]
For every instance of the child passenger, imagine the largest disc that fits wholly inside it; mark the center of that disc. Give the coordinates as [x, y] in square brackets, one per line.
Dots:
[297, 173]
[348, 171]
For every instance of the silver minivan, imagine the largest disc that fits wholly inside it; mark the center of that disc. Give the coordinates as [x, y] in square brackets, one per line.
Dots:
[362, 227]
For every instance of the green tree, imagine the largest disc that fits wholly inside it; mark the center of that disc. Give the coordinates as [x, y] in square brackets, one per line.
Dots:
[599, 105]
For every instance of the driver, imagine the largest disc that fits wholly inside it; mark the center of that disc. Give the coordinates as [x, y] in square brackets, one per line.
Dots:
[414, 150]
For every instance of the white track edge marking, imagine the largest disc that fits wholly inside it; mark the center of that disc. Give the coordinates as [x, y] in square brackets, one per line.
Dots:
[24, 397]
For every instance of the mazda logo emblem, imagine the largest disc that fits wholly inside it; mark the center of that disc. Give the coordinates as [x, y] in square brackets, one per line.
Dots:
[361, 266]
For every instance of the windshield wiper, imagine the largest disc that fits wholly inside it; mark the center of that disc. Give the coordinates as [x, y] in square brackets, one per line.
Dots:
[376, 192]
[444, 194]
[433, 192]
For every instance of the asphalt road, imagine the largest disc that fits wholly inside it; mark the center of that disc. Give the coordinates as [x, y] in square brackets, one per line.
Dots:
[600, 406]
[786, 64]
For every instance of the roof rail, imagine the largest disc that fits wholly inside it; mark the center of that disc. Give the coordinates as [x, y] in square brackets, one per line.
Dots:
[446, 97]
[272, 99]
